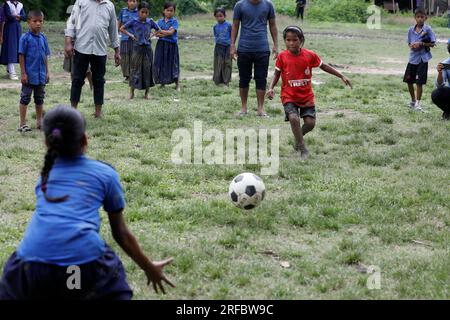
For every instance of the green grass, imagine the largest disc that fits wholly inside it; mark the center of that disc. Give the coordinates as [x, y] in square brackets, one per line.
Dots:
[376, 184]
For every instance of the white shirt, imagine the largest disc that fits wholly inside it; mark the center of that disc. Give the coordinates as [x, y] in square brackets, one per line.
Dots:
[91, 24]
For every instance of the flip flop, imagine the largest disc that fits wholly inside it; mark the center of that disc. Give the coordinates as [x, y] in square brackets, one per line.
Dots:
[241, 114]
[263, 115]
[24, 129]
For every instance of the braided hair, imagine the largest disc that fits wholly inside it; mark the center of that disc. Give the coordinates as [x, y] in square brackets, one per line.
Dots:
[64, 129]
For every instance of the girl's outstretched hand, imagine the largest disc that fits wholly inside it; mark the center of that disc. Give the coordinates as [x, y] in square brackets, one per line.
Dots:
[155, 275]
[347, 81]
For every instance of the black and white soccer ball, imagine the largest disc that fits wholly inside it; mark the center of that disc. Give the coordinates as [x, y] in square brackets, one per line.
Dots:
[247, 190]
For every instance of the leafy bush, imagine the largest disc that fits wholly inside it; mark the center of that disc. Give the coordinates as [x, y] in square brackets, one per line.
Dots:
[339, 10]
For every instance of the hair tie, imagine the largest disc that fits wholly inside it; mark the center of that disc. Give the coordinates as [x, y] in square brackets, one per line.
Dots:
[56, 132]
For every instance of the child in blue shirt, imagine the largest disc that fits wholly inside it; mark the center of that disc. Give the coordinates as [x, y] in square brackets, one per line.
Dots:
[420, 38]
[63, 234]
[167, 57]
[222, 57]
[126, 44]
[140, 31]
[33, 59]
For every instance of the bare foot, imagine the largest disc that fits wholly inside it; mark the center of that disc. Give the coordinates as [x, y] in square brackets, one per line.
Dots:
[146, 97]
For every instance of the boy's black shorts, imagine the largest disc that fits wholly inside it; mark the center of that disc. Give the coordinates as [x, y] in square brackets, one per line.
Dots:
[299, 111]
[416, 73]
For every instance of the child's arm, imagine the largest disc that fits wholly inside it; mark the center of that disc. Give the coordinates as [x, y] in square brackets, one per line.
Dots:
[166, 33]
[329, 69]
[47, 74]
[22, 69]
[123, 236]
[276, 76]
[125, 31]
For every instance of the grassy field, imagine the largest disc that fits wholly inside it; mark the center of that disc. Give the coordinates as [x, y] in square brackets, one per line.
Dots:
[374, 192]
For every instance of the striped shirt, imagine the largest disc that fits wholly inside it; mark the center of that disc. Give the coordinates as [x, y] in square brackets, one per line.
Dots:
[92, 24]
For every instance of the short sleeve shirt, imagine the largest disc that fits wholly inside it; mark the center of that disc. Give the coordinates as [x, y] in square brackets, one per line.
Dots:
[254, 19]
[67, 233]
[421, 55]
[126, 15]
[141, 30]
[296, 75]
[166, 25]
[222, 33]
[35, 50]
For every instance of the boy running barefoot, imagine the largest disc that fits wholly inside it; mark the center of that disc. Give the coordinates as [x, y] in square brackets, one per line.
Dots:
[295, 65]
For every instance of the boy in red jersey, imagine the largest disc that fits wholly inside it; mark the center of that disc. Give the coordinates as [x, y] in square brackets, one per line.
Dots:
[295, 65]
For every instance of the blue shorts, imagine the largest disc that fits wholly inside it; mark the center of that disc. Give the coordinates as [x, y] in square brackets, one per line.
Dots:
[101, 279]
[28, 89]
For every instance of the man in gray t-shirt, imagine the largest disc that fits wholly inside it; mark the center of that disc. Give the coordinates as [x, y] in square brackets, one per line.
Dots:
[253, 51]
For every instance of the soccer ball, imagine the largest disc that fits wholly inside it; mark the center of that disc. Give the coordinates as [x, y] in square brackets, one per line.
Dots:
[247, 190]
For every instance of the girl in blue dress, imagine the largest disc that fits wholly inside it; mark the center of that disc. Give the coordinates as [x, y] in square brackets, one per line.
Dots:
[12, 31]
[167, 59]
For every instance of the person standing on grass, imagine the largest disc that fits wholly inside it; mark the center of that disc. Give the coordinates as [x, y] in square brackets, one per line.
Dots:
[12, 31]
[222, 58]
[420, 39]
[126, 44]
[167, 58]
[300, 9]
[441, 95]
[295, 66]
[140, 32]
[253, 51]
[33, 58]
[68, 61]
[63, 234]
[91, 24]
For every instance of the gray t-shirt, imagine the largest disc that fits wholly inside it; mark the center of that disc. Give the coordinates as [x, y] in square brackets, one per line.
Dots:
[254, 18]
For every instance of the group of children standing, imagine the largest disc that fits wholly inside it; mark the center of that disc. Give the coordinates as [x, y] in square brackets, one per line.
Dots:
[139, 67]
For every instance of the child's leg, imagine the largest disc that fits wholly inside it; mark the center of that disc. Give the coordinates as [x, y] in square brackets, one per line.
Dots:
[146, 93]
[294, 120]
[419, 91]
[308, 124]
[25, 98]
[177, 84]
[22, 115]
[39, 96]
[131, 93]
[411, 91]
[39, 109]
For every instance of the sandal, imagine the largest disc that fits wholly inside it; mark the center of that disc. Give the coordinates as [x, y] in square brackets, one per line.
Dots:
[263, 115]
[241, 114]
[24, 128]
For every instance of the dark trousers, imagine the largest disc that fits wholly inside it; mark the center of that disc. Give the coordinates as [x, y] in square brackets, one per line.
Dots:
[441, 98]
[81, 64]
[300, 11]
[257, 60]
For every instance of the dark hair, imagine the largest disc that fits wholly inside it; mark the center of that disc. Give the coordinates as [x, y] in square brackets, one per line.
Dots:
[143, 5]
[170, 4]
[296, 30]
[64, 129]
[35, 14]
[420, 11]
[221, 10]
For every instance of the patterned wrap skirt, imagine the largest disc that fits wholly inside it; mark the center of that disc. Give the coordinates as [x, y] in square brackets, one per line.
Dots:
[166, 69]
